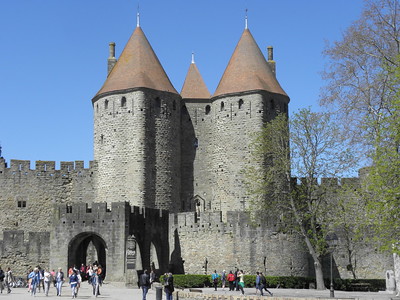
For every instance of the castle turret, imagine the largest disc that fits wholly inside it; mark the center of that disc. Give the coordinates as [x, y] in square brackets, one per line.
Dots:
[136, 130]
[196, 138]
[248, 95]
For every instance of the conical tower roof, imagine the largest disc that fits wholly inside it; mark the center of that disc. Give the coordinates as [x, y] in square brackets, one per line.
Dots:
[247, 70]
[137, 66]
[194, 86]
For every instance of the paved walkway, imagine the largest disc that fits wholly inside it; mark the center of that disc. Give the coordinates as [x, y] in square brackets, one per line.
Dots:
[110, 291]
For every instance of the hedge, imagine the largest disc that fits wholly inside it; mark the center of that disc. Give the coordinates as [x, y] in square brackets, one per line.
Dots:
[289, 282]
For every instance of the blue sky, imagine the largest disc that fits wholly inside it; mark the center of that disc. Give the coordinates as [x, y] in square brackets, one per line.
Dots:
[54, 57]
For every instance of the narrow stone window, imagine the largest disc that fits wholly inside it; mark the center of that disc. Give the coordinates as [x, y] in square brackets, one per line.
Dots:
[222, 105]
[97, 108]
[272, 104]
[158, 102]
[208, 109]
[123, 102]
[106, 104]
[174, 105]
[21, 204]
[102, 139]
[240, 103]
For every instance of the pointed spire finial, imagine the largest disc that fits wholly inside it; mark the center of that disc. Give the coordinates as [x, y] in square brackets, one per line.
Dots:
[245, 20]
[138, 17]
[192, 57]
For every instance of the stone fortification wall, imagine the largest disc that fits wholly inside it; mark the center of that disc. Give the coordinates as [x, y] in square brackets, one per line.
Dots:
[79, 221]
[236, 118]
[28, 195]
[137, 146]
[21, 251]
[207, 243]
[197, 178]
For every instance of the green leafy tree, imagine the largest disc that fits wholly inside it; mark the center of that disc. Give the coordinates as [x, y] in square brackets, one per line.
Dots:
[317, 151]
[383, 181]
[358, 89]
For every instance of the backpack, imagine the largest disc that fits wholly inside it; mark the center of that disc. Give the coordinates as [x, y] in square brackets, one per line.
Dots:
[263, 280]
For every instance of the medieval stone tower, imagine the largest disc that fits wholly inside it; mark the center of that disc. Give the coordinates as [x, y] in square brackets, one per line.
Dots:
[137, 131]
[156, 148]
[248, 95]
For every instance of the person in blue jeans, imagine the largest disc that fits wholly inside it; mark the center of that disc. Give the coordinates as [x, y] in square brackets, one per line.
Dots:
[35, 280]
[169, 286]
[73, 281]
[144, 283]
[59, 281]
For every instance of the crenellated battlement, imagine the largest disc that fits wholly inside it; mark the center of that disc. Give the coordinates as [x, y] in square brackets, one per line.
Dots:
[330, 182]
[105, 212]
[235, 221]
[42, 167]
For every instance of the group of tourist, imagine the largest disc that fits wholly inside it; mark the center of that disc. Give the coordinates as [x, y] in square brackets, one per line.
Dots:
[38, 278]
[236, 281]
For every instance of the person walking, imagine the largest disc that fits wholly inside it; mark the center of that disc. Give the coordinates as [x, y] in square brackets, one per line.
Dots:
[2, 275]
[144, 283]
[95, 280]
[73, 281]
[231, 281]
[8, 280]
[59, 281]
[223, 280]
[240, 278]
[46, 281]
[169, 286]
[264, 284]
[35, 276]
[258, 284]
[214, 278]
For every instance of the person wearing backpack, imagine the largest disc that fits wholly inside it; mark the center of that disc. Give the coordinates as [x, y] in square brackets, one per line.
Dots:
[214, 279]
[263, 285]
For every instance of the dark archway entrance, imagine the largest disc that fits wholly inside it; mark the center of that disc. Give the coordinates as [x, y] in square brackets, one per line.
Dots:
[83, 243]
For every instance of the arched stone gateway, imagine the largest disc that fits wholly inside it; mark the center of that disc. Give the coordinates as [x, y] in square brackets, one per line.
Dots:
[124, 239]
[86, 248]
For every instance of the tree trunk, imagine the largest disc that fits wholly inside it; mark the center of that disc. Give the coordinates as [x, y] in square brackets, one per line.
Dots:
[319, 276]
[396, 259]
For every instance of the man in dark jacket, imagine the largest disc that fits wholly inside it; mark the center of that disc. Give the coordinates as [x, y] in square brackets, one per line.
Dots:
[1, 280]
[169, 286]
[144, 283]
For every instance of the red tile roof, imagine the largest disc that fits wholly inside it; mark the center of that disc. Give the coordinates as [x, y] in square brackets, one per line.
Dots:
[137, 66]
[247, 70]
[194, 86]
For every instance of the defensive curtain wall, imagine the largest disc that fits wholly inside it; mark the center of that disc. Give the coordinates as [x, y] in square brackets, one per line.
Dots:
[206, 241]
[49, 222]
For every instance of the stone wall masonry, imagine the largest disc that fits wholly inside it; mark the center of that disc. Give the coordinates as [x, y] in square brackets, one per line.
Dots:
[137, 146]
[197, 178]
[236, 119]
[28, 195]
[237, 243]
[22, 253]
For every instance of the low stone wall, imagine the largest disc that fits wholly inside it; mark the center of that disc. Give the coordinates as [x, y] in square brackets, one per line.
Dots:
[183, 295]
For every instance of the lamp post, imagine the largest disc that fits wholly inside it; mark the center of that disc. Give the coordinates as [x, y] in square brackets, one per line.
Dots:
[332, 241]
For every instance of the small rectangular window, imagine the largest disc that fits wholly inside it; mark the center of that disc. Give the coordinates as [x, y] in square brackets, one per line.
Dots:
[21, 204]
